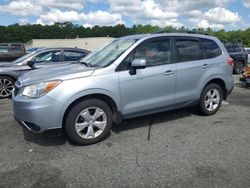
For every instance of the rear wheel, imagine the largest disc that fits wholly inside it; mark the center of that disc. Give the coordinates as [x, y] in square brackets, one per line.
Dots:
[211, 99]
[238, 67]
[6, 86]
[88, 122]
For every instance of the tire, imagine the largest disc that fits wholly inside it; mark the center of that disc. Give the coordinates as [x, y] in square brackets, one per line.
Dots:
[211, 99]
[238, 67]
[6, 86]
[81, 122]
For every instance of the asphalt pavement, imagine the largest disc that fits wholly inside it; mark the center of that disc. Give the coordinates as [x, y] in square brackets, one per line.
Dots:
[173, 149]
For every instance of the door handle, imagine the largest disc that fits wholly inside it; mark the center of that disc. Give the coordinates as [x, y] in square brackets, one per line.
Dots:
[169, 72]
[205, 66]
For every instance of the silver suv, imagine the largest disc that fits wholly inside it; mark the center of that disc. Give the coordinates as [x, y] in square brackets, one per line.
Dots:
[129, 77]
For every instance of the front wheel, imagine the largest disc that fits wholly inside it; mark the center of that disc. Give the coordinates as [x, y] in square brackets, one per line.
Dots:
[88, 122]
[6, 86]
[211, 99]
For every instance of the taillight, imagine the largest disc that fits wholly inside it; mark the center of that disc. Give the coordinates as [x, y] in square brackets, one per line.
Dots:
[230, 61]
[246, 54]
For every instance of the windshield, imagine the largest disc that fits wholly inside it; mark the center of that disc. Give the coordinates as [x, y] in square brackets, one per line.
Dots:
[26, 56]
[108, 54]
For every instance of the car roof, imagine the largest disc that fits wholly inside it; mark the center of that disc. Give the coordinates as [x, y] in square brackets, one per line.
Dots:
[61, 48]
[148, 36]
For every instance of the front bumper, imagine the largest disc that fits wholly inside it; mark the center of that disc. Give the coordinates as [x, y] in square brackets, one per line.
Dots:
[38, 115]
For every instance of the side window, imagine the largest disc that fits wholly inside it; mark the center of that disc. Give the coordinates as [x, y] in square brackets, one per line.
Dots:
[188, 49]
[51, 56]
[4, 49]
[211, 49]
[16, 48]
[73, 56]
[154, 52]
[231, 48]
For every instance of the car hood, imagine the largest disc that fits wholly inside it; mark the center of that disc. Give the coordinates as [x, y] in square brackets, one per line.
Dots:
[64, 72]
[9, 66]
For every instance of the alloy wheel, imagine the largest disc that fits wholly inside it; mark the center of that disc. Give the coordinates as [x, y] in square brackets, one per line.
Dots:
[91, 122]
[6, 87]
[212, 99]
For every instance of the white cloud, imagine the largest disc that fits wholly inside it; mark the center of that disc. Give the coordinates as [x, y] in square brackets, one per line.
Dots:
[222, 16]
[246, 3]
[216, 18]
[90, 19]
[101, 18]
[205, 24]
[56, 15]
[164, 23]
[70, 4]
[21, 8]
[143, 12]
[212, 13]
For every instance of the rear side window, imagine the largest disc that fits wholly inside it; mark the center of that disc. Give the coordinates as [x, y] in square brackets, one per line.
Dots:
[73, 56]
[231, 48]
[248, 51]
[211, 49]
[188, 49]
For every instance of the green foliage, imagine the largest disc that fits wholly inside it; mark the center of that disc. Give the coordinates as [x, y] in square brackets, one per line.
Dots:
[24, 33]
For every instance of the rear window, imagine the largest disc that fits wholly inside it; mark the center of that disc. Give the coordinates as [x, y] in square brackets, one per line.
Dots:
[16, 48]
[188, 49]
[4, 49]
[233, 48]
[211, 49]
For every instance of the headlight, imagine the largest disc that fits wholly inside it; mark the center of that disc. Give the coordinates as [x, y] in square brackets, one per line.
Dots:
[40, 89]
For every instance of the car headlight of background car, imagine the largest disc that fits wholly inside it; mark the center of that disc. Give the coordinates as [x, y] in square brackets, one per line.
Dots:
[39, 89]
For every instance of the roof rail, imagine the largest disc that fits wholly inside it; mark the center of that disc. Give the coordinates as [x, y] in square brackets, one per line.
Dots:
[180, 31]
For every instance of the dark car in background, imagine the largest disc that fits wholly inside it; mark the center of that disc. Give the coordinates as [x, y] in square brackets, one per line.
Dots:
[42, 58]
[11, 51]
[239, 54]
[248, 52]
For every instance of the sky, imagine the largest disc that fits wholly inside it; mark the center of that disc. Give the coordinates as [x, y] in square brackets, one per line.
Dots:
[216, 14]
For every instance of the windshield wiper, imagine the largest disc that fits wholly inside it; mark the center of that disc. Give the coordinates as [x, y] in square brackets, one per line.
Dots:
[86, 64]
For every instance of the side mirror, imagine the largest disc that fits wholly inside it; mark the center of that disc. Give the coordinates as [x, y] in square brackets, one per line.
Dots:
[137, 64]
[31, 64]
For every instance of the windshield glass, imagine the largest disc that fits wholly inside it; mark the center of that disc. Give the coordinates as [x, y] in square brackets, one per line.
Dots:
[109, 53]
[26, 56]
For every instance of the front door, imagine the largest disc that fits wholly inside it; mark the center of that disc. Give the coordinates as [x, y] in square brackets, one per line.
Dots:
[151, 88]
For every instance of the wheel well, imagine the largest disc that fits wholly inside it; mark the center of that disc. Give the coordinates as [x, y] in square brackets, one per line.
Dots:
[222, 84]
[12, 77]
[110, 102]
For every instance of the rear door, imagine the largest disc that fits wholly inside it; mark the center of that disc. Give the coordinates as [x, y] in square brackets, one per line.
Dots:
[190, 68]
[152, 88]
[196, 60]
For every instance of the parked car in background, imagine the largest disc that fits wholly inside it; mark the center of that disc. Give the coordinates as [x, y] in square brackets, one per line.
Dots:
[46, 57]
[131, 76]
[248, 52]
[239, 54]
[11, 51]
